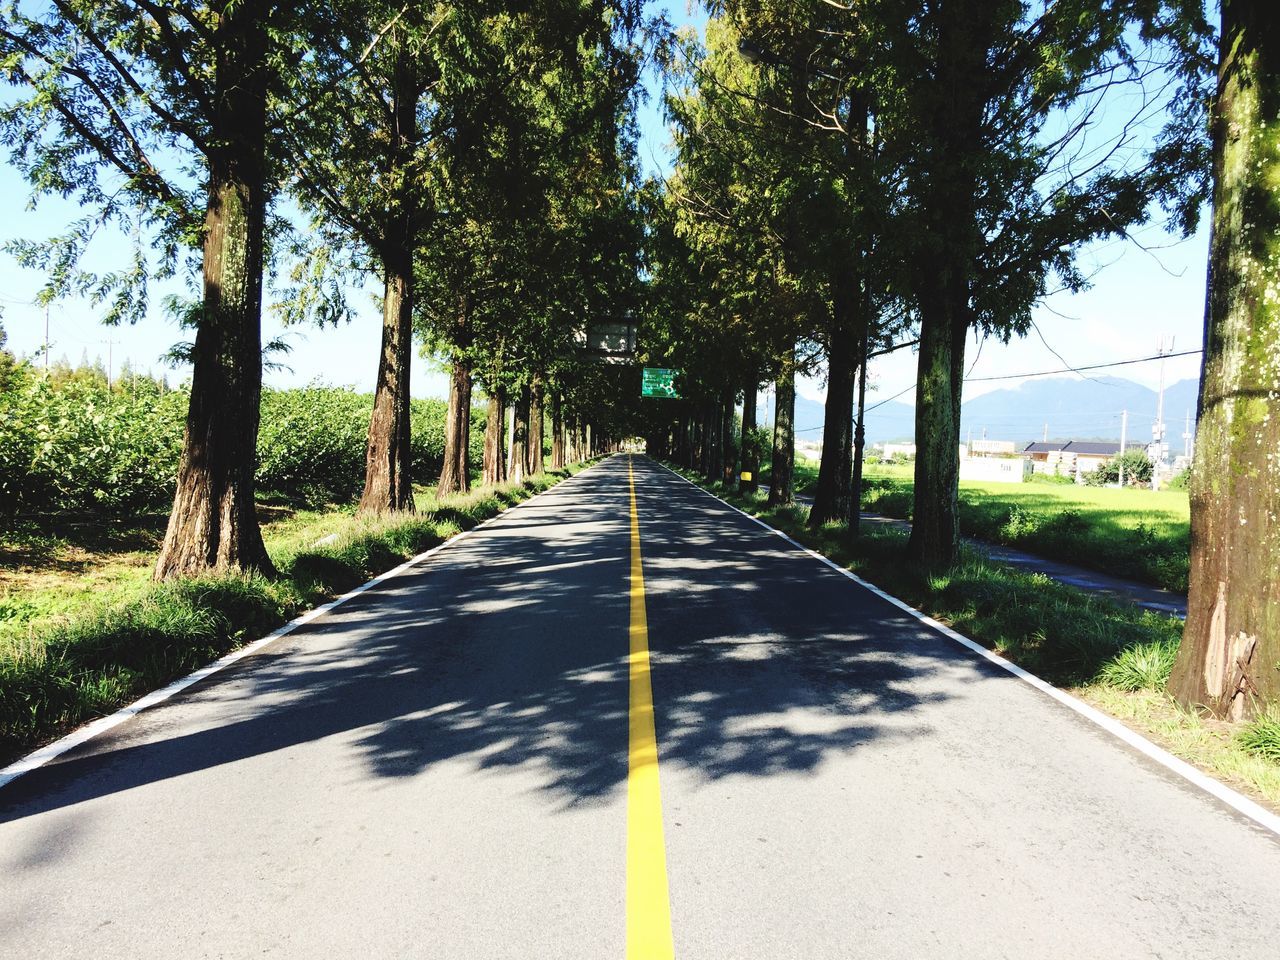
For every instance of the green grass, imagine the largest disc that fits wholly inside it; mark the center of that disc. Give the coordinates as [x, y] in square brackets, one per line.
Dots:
[1141, 535]
[1113, 655]
[67, 656]
[1144, 666]
[1261, 738]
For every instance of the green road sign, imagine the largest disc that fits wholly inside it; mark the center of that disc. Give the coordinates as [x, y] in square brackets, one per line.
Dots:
[659, 382]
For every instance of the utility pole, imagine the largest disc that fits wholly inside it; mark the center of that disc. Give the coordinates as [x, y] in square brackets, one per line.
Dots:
[1124, 429]
[110, 344]
[1046, 433]
[1157, 431]
[46, 340]
[1186, 436]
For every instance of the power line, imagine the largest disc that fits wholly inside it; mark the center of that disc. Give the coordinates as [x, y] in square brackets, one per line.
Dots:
[1019, 376]
[1095, 366]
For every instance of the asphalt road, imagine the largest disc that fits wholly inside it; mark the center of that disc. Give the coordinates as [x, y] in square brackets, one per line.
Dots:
[439, 768]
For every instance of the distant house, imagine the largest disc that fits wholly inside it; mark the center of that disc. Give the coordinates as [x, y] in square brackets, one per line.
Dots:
[992, 448]
[1073, 456]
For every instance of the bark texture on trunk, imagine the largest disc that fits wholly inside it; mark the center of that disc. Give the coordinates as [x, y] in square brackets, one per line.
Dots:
[750, 454]
[935, 522]
[455, 472]
[388, 456]
[781, 483]
[1229, 660]
[387, 453]
[495, 440]
[534, 463]
[831, 494]
[520, 437]
[557, 431]
[946, 266]
[213, 525]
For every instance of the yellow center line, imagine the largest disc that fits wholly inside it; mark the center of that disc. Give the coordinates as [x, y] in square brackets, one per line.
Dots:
[648, 902]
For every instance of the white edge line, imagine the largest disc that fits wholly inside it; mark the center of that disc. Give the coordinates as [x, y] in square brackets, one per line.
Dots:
[1237, 801]
[72, 740]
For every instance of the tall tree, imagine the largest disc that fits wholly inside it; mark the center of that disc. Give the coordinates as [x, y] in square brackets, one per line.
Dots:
[171, 99]
[377, 110]
[1229, 660]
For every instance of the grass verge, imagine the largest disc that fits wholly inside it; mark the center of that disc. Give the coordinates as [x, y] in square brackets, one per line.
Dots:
[104, 653]
[1114, 656]
[1142, 535]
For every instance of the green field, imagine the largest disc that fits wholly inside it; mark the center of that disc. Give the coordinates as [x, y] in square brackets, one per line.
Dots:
[1142, 535]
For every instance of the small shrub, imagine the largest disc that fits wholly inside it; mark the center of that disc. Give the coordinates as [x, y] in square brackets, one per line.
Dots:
[1144, 666]
[1262, 737]
[1020, 524]
[1055, 479]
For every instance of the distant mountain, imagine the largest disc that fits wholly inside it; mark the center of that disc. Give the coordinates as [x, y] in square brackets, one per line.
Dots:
[1065, 408]
[887, 422]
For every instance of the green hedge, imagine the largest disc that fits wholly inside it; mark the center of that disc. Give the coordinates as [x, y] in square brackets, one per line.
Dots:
[68, 444]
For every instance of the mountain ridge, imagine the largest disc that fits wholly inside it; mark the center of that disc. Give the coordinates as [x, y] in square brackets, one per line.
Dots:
[1061, 408]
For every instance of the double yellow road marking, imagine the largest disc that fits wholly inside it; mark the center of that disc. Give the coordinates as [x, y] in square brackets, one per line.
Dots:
[648, 901]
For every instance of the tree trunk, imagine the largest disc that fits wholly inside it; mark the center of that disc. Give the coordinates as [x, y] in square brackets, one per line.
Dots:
[387, 479]
[387, 484]
[946, 265]
[711, 440]
[727, 453]
[750, 458]
[213, 525]
[831, 496]
[534, 464]
[455, 472]
[859, 429]
[781, 490]
[1230, 655]
[495, 441]
[935, 523]
[557, 430]
[520, 437]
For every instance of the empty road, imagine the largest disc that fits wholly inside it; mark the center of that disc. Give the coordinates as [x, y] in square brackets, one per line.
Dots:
[622, 720]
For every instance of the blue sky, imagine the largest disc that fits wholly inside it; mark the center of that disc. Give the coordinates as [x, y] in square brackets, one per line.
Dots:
[1136, 298]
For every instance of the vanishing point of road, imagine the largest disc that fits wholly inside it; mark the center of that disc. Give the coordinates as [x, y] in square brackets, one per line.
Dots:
[622, 720]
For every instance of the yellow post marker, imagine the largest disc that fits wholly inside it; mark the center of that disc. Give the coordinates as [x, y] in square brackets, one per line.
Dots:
[746, 476]
[648, 901]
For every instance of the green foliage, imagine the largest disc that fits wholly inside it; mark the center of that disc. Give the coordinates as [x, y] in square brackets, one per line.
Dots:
[74, 445]
[68, 444]
[8, 364]
[1144, 666]
[1137, 470]
[311, 443]
[1138, 534]
[1051, 478]
[1262, 737]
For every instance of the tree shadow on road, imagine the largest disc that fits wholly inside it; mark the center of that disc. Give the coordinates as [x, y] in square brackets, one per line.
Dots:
[509, 652]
